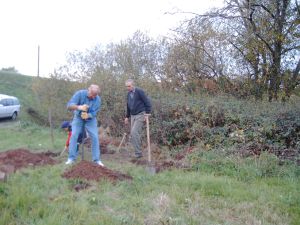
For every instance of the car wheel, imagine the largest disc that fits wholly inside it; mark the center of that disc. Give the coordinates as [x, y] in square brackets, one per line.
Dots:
[14, 116]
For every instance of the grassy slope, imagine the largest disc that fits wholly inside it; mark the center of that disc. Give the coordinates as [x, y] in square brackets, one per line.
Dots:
[174, 197]
[17, 85]
[20, 86]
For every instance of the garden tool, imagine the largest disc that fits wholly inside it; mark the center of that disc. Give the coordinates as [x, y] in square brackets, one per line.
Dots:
[123, 138]
[83, 140]
[62, 152]
[84, 116]
[151, 169]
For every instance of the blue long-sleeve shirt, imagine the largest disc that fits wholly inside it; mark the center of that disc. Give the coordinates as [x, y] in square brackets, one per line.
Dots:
[80, 98]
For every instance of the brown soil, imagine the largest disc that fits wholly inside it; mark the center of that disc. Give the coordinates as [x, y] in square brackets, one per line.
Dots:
[91, 171]
[83, 171]
[19, 158]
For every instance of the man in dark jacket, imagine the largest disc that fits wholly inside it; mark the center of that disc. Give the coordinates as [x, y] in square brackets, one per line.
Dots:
[138, 108]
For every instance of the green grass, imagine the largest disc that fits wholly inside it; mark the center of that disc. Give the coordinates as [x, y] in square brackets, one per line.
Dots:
[17, 85]
[245, 169]
[20, 86]
[174, 197]
[27, 135]
[41, 196]
[222, 188]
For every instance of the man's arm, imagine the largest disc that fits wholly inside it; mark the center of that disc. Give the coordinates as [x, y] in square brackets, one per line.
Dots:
[92, 112]
[127, 108]
[74, 103]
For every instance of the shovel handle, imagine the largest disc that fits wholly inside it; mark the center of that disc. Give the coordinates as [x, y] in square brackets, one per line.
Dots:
[82, 141]
[63, 151]
[123, 138]
[148, 138]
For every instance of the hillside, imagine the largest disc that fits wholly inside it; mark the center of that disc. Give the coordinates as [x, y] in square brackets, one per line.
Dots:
[210, 154]
[215, 122]
[20, 86]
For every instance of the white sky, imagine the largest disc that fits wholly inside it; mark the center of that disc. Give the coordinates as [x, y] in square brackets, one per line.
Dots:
[61, 26]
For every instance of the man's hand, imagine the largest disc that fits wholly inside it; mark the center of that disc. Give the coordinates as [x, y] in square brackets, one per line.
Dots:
[146, 115]
[83, 107]
[126, 121]
[84, 115]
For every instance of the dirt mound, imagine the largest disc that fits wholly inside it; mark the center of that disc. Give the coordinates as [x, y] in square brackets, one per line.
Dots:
[91, 171]
[19, 158]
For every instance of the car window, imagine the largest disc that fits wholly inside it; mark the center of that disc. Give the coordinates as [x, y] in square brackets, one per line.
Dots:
[4, 102]
[10, 102]
[16, 102]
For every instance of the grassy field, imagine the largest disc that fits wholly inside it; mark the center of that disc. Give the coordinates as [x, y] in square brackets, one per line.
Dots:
[221, 188]
[20, 134]
[17, 85]
[41, 196]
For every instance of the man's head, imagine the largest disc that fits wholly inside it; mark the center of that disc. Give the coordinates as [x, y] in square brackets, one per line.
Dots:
[93, 91]
[129, 84]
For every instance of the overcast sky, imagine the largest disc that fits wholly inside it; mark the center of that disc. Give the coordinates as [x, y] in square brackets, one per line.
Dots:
[61, 26]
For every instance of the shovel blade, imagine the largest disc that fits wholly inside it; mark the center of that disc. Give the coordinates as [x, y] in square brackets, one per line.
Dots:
[151, 170]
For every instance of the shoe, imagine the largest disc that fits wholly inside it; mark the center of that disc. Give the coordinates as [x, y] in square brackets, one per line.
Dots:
[69, 162]
[138, 156]
[99, 163]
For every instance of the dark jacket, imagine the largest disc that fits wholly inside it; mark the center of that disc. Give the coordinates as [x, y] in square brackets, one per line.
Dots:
[139, 103]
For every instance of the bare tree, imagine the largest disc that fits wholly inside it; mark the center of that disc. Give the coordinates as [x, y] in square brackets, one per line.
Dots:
[271, 36]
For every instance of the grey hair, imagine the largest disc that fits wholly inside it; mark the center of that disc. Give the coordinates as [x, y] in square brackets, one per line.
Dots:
[94, 88]
[131, 81]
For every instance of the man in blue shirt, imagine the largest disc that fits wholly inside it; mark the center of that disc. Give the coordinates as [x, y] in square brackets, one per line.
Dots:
[138, 108]
[85, 105]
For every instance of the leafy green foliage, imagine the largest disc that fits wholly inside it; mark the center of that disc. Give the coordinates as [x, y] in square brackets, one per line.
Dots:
[286, 130]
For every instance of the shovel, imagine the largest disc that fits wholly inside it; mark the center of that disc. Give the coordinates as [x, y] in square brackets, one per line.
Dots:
[123, 138]
[65, 148]
[150, 168]
[82, 142]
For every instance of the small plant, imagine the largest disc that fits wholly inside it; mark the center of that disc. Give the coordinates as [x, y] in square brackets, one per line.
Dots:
[216, 116]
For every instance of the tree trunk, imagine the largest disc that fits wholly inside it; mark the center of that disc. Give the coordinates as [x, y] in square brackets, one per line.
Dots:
[292, 82]
[50, 124]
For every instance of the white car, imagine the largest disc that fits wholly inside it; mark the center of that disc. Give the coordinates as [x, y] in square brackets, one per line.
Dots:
[9, 106]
